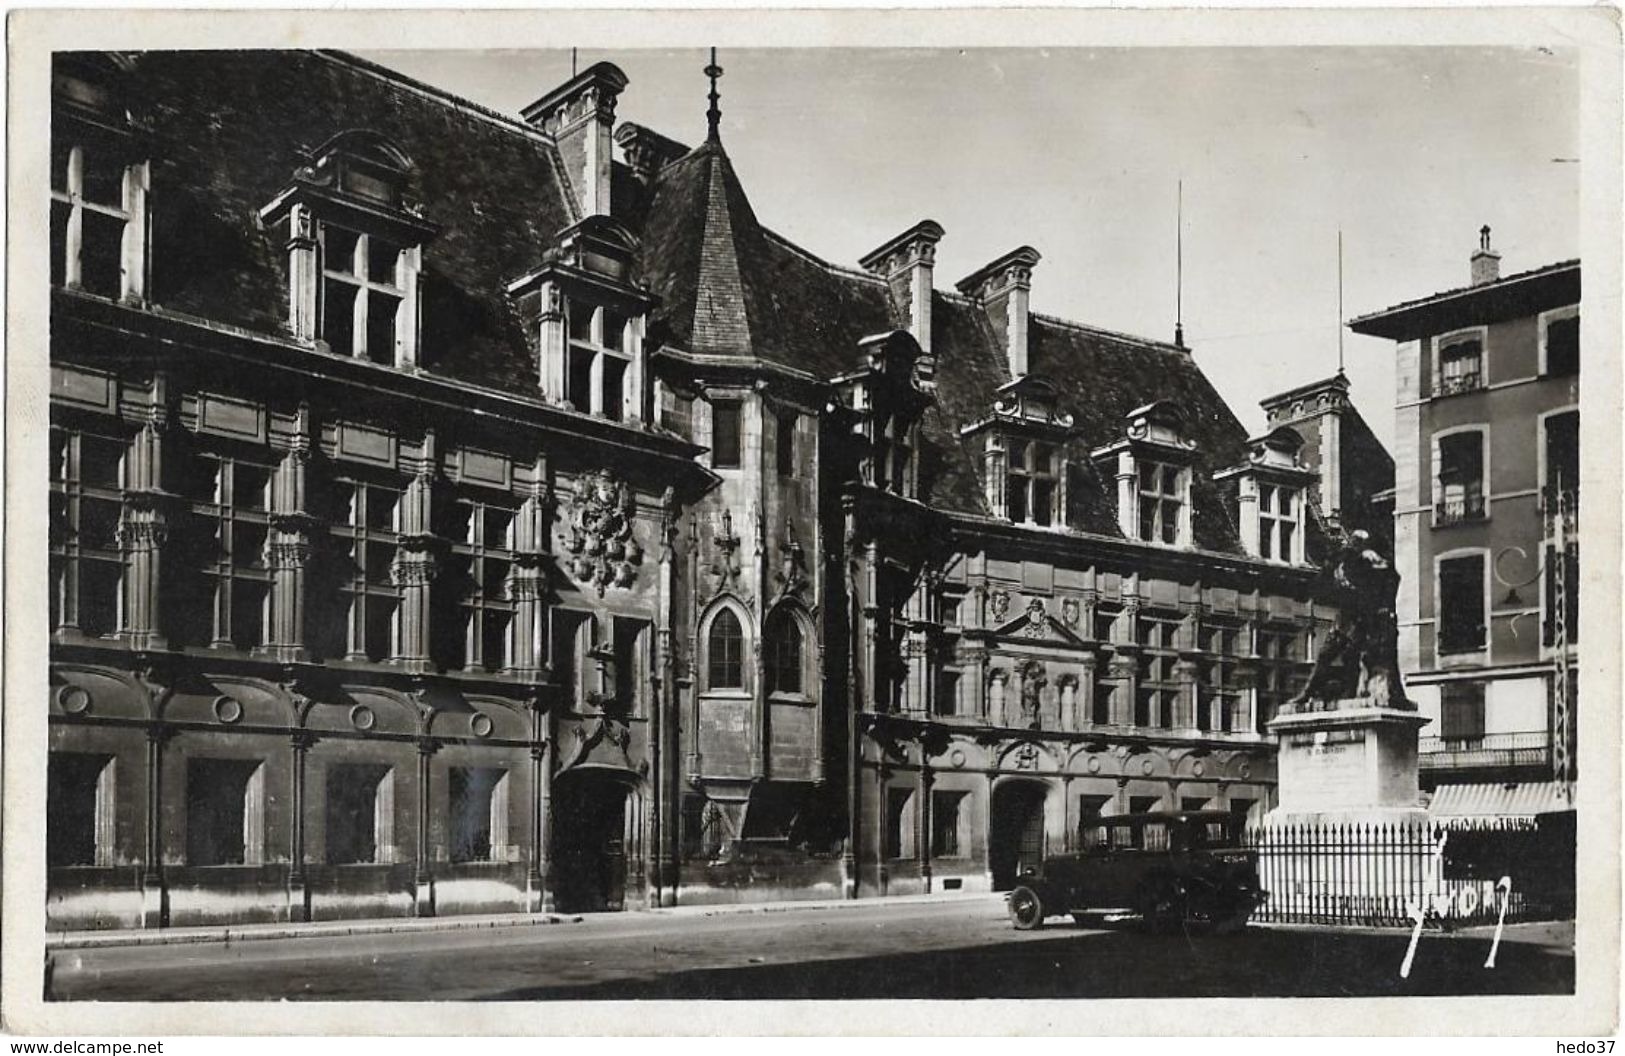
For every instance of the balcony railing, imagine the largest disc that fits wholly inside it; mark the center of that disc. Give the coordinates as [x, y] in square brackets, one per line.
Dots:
[1491, 749]
[1459, 511]
[1450, 384]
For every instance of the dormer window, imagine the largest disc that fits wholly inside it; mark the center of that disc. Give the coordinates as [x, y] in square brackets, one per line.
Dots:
[1272, 491]
[1162, 501]
[590, 322]
[1152, 466]
[99, 183]
[362, 296]
[354, 250]
[1024, 463]
[886, 395]
[599, 361]
[1030, 489]
[1278, 508]
[893, 454]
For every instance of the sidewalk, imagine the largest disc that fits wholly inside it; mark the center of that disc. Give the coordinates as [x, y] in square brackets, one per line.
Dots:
[80, 940]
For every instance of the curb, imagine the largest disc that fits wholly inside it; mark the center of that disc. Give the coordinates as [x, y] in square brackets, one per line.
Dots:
[89, 940]
[258, 933]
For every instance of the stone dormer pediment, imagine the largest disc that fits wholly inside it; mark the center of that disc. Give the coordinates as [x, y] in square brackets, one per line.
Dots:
[1274, 455]
[1029, 403]
[1036, 624]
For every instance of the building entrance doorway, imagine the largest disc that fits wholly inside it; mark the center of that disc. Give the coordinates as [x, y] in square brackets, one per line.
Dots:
[588, 869]
[1016, 835]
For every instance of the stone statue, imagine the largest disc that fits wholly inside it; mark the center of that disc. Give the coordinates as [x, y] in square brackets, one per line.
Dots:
[1358, 663]
[1032, 685]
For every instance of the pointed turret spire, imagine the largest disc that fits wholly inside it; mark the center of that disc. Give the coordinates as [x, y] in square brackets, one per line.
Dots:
[713, 116]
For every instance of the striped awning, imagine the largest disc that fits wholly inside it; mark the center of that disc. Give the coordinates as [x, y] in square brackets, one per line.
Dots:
[1522, 799]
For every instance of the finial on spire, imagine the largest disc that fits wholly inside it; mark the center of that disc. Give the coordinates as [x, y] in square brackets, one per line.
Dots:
[713, 116]
[1179, 266]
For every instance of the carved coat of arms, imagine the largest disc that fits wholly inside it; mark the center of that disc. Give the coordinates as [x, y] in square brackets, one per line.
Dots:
[603, 552]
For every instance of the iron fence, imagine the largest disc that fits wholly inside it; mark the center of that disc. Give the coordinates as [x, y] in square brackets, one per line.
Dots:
[1379, 874]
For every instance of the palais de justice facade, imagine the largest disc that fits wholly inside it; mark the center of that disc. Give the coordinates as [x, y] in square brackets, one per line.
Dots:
[454, 511]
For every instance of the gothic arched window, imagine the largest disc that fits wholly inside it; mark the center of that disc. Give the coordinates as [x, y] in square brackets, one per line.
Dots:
[725, 653]
[784, 654]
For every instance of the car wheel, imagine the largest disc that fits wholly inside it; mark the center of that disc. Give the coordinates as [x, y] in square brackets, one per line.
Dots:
[1026, 909]
[1165, 908]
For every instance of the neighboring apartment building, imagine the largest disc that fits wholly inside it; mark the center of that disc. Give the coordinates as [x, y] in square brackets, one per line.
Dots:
[451, 515]
[1487, 448]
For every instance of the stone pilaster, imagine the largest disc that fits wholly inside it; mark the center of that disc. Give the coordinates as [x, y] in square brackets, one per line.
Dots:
[304, 273]
[301, 742]
[142, 530]
[288, 549]
[414, 567]
[154, 886]
[1085, 703]
[423, 875]
[552, 345]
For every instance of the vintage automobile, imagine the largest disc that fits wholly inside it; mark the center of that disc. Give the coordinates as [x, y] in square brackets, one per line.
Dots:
[1173, 868]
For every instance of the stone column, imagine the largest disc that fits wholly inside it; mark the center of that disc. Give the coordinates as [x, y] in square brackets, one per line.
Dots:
[142, 530]
[1128, 496]
[154, 889]
[1085, 704]
[541, 784]
[922, 820]
[414, 567]
[882, 823]
[553, 345]
[287, 553]
[304, 273]
[298, 891]
[423, 902]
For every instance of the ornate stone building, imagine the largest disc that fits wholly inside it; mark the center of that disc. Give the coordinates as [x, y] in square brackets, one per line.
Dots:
[453, 513]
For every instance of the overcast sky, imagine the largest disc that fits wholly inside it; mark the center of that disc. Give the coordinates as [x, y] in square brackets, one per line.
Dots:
[1078, 153]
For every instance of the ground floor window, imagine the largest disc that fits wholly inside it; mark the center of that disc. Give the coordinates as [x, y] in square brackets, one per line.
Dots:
[947, 825]
[360, 813]
[1141, 804]
[478, 812]
[1193, 802]
[79, 809]
[225, 812]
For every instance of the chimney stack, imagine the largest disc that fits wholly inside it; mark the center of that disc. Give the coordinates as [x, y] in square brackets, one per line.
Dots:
[1486, 261]
[907, 263]
[1001, 288]
[580, 116]
[646, 151]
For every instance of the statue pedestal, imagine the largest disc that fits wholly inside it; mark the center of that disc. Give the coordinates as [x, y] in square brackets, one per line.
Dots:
[1355, 763]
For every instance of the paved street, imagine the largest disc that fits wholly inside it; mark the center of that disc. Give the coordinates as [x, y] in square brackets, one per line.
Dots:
[958, 949]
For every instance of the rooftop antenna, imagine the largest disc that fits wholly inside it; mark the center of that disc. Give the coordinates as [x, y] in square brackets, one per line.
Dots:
[713, 116]
[572, 64]
[1179, 268]
[1340, 300]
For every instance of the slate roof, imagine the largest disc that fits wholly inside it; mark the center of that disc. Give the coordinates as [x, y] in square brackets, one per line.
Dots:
[727, 285]
[730, 287]
[488, 181]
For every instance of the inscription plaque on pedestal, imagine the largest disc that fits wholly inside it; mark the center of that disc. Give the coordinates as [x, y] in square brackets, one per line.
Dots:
[1354, 762]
